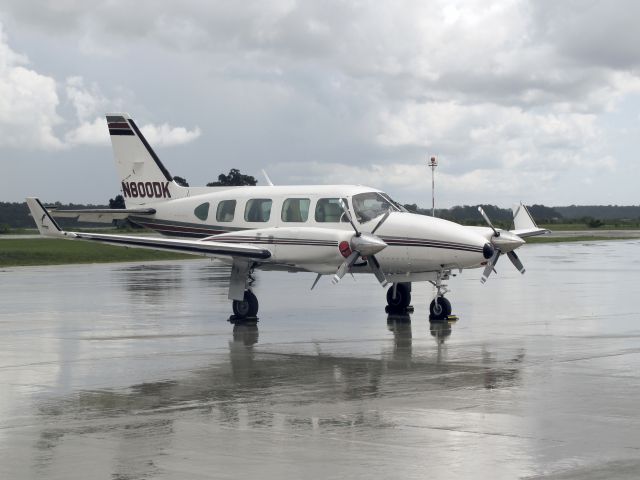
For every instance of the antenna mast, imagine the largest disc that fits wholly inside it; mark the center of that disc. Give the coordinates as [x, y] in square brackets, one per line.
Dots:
[433, 163]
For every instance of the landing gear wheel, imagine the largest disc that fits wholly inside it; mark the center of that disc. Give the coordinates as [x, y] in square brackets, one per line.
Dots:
[439, 310]
[248, 307]
[403, 296]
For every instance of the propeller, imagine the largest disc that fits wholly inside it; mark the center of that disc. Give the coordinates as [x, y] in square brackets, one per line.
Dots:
[491, 264]
[382, 220]
[502, 241]
[516, 261]
[486, 219]
[363, 245]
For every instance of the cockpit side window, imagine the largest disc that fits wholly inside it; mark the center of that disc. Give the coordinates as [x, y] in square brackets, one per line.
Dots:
[328, 210]
[225, 211]
[399, 206]
[371, 205]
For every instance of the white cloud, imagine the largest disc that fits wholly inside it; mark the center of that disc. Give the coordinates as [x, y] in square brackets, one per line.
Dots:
[487, 136]
[165, 135]
[28, 102]
[89, 133]
[87, 101]
[96, 133]
[414, 179]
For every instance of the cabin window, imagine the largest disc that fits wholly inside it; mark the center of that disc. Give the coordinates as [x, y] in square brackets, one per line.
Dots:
[329, 210]
[258, 210]
[202, 211]
[370, 205]
[295, 210]
[226, 210]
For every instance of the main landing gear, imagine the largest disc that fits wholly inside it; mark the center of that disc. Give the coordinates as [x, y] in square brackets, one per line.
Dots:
[247, 307]
[244, 301]
[399, 298]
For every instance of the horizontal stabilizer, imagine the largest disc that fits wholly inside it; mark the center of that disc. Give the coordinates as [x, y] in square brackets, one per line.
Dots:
[524, 225]
[101, 215]
[48, 226]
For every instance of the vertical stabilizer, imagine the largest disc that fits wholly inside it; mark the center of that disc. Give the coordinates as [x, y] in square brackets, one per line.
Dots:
[144, 179]
[522, 219]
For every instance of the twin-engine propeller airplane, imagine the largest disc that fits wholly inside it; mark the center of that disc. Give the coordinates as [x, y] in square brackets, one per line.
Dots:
[326, 229]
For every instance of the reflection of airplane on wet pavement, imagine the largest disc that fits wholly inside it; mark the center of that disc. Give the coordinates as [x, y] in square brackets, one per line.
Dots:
[328, 230]
[266, 391]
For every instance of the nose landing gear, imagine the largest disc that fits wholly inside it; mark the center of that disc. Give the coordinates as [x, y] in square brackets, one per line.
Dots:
[440, 307]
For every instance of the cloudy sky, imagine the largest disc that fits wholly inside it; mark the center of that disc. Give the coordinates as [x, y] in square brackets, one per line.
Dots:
[536, 101]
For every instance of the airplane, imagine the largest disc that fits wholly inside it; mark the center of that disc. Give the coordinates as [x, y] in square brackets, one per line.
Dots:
[324, 229]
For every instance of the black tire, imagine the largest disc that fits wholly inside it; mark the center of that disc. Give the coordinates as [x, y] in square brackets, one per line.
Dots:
[403, 296]
[248, 307]
[250, 297]
[240, 308]
[440, 311]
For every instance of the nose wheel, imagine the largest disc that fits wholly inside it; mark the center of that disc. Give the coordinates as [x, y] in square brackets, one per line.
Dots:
[440, 308]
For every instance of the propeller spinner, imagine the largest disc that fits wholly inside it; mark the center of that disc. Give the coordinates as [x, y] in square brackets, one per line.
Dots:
[362, 245]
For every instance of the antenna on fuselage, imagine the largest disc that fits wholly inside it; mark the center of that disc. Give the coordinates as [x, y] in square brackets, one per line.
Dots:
[266, 177]
[433, 163]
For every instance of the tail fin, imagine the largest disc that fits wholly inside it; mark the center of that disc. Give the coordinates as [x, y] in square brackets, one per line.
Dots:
[46, 224]
[144, 178]
[524, 225]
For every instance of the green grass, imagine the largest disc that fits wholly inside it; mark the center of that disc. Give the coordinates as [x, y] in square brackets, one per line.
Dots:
[45, 251]
[581, 226]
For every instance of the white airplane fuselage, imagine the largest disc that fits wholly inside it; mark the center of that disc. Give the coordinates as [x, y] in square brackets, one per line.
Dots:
[417, 245]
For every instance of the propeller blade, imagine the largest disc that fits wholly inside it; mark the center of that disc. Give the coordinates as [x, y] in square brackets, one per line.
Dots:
[377, 271]
[486, 219]
[516, 261]
[346, 265]
[382, 220]
[490, 266]
[315, 282]
[348, 214]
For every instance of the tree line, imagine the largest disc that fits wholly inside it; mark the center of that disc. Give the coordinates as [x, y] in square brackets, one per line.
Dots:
[16, 215]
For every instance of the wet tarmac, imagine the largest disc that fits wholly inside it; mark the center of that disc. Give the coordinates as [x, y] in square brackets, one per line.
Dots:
[131, 371]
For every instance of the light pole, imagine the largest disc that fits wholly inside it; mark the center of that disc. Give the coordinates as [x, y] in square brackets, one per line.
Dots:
[433, 163]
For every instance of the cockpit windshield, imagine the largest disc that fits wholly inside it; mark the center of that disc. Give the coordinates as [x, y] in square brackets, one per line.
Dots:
[373, 204]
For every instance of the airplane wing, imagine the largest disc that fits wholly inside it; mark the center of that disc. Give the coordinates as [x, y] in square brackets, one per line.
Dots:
[524, 224]
[47, 226]
[100, 215]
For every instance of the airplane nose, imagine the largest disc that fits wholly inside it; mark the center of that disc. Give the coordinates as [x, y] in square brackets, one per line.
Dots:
[488, 251]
